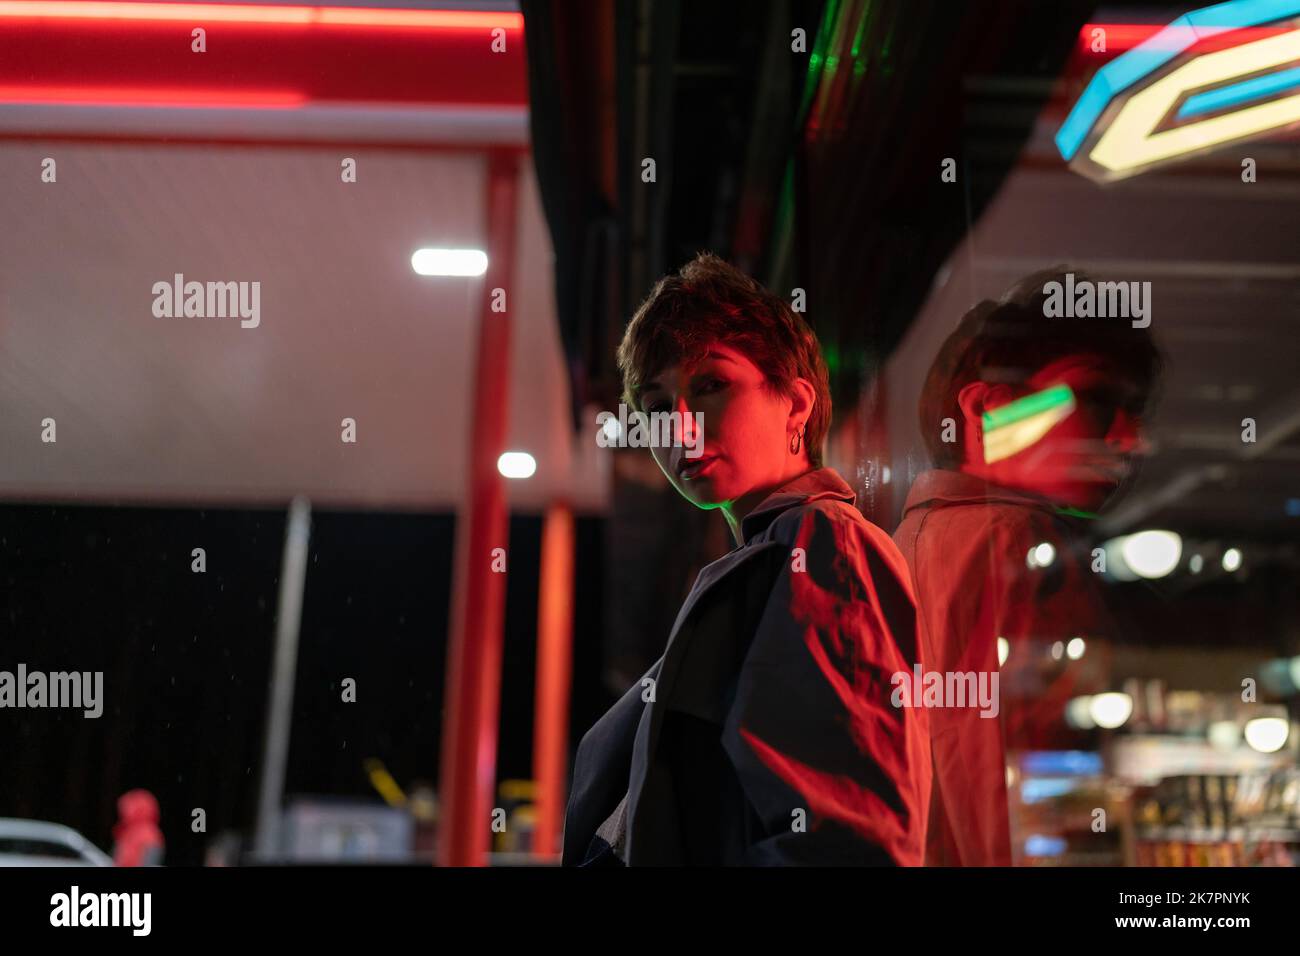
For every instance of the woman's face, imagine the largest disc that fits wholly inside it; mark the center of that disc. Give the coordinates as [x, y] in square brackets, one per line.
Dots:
[746, 427]
[1085, 459]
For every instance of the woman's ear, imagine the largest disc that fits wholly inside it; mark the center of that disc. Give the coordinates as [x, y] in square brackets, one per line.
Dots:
[802, 399]
[977, 398]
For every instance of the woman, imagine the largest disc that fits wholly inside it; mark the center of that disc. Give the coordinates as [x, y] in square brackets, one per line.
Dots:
[765, 734]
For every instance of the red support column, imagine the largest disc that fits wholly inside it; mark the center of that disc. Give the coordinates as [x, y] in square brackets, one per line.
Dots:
[473, 690]
[554, 673]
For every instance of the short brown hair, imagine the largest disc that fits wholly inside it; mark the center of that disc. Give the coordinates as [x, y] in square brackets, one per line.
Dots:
[1009, 339]
[710, 301]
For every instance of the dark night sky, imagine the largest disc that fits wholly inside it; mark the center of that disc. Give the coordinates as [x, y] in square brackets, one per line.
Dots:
[186, 657]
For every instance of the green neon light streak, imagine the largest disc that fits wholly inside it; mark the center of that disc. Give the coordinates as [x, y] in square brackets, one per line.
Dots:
[835, 46]
[1027, 407]
[859, 60]
[817, 61]
[1077, 513]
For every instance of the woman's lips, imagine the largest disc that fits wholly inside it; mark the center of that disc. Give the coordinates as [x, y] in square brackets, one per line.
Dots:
[691, 470]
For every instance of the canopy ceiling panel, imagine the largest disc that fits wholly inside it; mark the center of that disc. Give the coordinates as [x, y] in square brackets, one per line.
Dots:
[190, 409]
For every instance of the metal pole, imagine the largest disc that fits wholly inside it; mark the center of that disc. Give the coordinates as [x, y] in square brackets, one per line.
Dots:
[279, 714]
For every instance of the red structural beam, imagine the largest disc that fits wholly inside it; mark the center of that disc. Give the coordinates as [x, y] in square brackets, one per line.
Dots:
[473, 689]
[554, 677]
[140, 54]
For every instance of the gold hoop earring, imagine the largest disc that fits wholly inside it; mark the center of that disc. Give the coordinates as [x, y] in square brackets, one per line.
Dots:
[796, 442]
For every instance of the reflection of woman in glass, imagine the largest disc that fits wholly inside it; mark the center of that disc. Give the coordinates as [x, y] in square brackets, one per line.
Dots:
[765, 734]
[1046, 416]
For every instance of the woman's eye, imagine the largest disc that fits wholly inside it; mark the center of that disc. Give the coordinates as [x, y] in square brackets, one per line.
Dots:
[710, 385]
[655, 407]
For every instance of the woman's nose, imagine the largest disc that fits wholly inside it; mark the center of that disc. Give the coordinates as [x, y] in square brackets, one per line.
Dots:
[687, 433]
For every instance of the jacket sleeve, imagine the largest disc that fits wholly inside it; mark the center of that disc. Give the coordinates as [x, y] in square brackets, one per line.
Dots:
[600, 776]
[834, 771]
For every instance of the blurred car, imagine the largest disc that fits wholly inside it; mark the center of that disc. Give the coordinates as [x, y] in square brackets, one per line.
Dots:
[36, 843]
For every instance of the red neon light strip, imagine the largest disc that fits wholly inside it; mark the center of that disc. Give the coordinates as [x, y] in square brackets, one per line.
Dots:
[250, 13]
[386, 55]
[153, 96]
[431, 19]
[1125, 36]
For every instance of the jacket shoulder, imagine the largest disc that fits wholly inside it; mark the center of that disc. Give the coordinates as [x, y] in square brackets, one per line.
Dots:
[997, 519]
[982, 536]
[826, 515]
[832, 523]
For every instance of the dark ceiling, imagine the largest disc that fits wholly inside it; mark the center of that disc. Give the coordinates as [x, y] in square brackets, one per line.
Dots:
[817, 169]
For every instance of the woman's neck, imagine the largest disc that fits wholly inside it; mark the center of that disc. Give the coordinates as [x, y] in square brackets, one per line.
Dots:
[736, 511]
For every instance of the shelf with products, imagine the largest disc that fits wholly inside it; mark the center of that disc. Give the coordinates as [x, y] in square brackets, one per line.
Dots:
[1251, 818]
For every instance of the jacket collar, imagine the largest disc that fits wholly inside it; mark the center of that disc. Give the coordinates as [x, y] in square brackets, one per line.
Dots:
[943, 487]
[810, 486]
